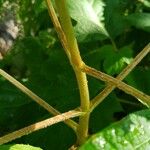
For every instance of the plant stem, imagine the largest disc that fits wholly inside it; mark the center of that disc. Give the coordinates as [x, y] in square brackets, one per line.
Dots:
[143, 98]
[77, 63]
[58, 27]
[101, 96]
[39, 125]
[36, 98]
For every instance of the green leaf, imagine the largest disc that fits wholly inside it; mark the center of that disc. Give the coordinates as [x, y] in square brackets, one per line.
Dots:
[89, 18]
[51, 77]
[57, 137]
[40, 18]
[18, 147]
[112, 62]
[97, 56]
[146, 3]
[46, 39]
[115, 17]
[104, 114]
[139, 78]
[116, 61]
[10, 96]
[133, 132]
[140, 20]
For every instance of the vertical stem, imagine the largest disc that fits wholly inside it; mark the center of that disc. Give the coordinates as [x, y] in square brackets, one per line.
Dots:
[77, 63]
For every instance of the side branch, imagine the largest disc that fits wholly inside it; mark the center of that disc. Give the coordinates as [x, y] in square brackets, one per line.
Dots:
[145, 99]
[39, 125]
[36, 98]
[101, 96]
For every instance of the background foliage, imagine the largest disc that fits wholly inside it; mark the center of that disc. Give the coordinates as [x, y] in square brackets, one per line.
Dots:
[110, 33]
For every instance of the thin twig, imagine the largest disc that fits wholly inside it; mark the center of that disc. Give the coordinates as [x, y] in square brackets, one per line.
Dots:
[101, 96]
[36, 98]
[39, 125]
[58, 27]
[145, 99]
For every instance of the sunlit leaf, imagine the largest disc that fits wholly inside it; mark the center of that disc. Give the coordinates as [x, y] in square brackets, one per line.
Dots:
[116, 61]
[89, 18]
[132, 132]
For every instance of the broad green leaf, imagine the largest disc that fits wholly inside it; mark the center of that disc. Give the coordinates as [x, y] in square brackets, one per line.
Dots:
[140, 20]
[18, 147]
[133, 132]
[89, 18]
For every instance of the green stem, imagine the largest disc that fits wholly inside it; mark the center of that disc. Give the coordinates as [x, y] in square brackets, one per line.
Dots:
[142, 97]
[77, 63]
[102, 95]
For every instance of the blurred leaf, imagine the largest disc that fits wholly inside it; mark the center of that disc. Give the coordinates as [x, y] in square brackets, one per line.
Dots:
[139, 78]
[39, 20]
[58, 137]
[10, 96]
[116, 61]
[38, 6]
[107, 59]
[90, 23]
[96, 57]
[140, 20]
[130, 133]
[47, 40]
[18, 147]
[115, 17]
[146, 3]
[104, 114]
[50, 74]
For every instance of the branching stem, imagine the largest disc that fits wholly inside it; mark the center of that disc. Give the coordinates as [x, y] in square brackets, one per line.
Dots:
[143, 98]
[67, 37]
[77, 63]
